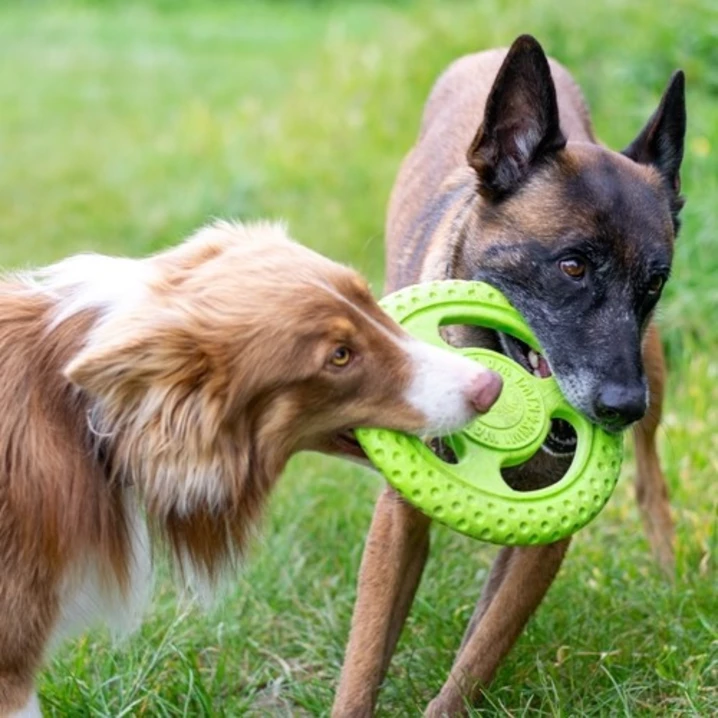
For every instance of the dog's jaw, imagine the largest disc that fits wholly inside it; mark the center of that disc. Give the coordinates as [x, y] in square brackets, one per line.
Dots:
[344, 443]
[561, 439]
[532, 361]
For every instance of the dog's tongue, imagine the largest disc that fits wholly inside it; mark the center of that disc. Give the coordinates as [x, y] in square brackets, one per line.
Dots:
[543, 367]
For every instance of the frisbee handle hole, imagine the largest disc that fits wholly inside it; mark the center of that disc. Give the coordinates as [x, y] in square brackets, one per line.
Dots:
[562, 438]
[443, 449]
[540, 471]
[463, 336]
[546, 467]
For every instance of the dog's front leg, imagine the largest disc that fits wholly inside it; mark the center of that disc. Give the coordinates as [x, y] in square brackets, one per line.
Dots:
[393, 561]
[651, 489]
[518, 582]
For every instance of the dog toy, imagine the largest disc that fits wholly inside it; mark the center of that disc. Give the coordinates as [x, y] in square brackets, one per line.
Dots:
[470, 495]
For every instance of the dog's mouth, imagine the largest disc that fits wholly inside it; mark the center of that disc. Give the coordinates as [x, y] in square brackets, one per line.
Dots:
[561, 439]
[345, 443]
[532, 361]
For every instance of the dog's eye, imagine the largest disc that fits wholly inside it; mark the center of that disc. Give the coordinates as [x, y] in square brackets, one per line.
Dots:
[574, 268]
[655, 285]
[341, 356]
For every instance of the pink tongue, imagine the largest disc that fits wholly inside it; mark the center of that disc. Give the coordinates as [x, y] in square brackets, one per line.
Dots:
[543, 368]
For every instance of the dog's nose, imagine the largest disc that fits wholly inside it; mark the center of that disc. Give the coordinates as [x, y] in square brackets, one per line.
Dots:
[618, 405]
[484, 390]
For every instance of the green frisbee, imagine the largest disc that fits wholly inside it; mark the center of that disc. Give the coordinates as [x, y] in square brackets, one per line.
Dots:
[470, 495]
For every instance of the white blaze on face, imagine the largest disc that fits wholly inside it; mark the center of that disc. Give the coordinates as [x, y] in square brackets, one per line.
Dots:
[449, 389]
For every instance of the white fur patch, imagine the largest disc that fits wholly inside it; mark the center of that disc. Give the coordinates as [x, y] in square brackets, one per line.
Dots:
[30, 710]
[440, 386]
[94, 281]
[89, 600]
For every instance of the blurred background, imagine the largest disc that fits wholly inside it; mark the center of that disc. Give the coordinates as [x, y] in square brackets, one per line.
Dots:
[126, 125]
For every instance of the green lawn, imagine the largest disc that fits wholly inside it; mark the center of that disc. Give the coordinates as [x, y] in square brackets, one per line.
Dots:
[126, 125]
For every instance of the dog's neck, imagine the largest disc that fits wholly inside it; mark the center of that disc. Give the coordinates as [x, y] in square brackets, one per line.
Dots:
[442, 229]
[202, 501]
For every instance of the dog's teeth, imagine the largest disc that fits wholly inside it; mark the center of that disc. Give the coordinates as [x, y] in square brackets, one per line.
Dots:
[533, 359]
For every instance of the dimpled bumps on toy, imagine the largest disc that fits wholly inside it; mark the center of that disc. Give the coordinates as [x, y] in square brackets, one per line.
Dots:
[470, 495]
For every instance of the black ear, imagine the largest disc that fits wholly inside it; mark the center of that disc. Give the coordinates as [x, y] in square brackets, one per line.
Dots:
[660, 142]
[521, 123]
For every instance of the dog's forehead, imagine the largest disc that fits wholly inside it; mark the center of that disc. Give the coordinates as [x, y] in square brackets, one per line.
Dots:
[611, 182]
[361, 304]
[340, 327]
[352, 286]
[339, 304]
[594, 193]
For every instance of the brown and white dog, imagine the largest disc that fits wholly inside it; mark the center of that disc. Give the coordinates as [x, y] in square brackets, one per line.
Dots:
[160, 398]
[507, 184]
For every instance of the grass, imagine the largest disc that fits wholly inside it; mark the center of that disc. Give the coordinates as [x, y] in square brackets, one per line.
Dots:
[125, 125]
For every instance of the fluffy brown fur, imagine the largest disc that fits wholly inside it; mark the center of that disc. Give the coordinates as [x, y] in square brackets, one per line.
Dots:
[173, 390]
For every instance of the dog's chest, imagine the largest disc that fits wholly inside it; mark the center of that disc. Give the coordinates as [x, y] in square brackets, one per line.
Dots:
[89, 598]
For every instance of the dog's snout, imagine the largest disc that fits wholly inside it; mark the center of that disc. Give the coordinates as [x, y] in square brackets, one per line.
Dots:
[449, 389]
[484, 390]
[618, 405]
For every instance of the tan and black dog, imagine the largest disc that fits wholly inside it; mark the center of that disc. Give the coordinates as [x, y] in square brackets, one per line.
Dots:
[580, 239]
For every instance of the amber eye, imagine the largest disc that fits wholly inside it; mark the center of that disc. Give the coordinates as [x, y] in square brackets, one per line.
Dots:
[574, 268]
[341, 356]
[656, 284]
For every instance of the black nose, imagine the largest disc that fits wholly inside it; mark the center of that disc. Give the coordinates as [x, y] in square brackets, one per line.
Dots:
[618, 405]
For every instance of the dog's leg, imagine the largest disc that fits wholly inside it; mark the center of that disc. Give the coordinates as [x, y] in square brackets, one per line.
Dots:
[29, 611]
[393, 561]
[651, 489]
[518, 582]
[496, 576]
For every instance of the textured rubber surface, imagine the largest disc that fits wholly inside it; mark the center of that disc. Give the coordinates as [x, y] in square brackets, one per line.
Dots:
[471, 496]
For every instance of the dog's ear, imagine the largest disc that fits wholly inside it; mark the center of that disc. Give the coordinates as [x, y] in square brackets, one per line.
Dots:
[521, 122]
[660, 142]
[123, 366]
